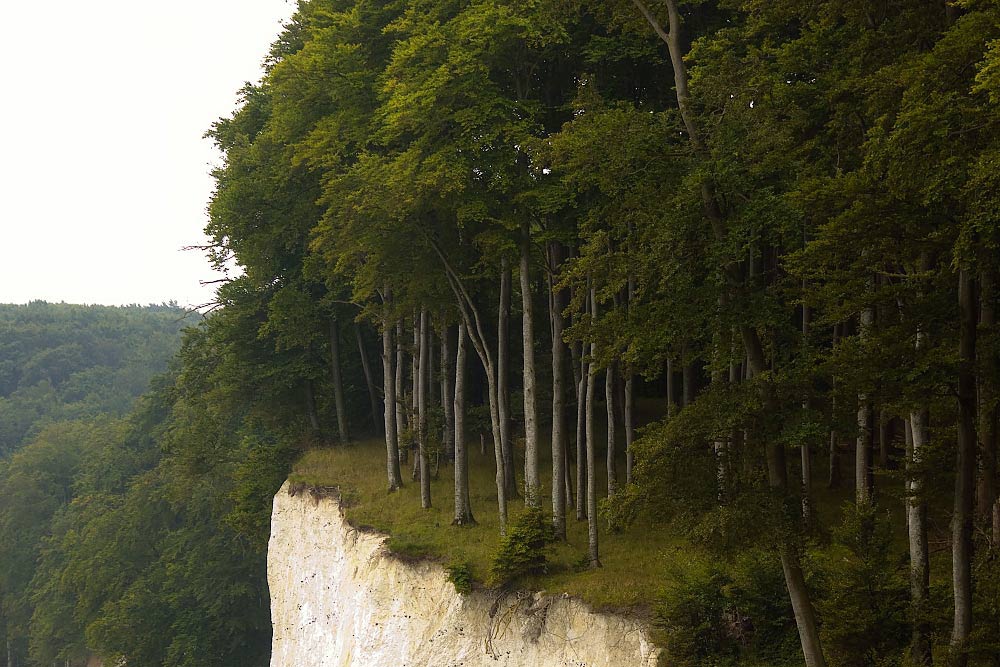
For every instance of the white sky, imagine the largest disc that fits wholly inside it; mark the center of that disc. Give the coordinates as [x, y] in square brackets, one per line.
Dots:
[103, 171]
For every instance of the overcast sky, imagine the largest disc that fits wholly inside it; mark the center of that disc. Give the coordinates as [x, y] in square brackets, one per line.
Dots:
[103, 171]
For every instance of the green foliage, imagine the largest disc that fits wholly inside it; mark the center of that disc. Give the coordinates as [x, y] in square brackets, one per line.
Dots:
[713, 614]
[61, 361]
[460, 575]
[522, 551]
[863, 604]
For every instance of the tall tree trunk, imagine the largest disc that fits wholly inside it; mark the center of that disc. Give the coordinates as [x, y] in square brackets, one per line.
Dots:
[833, 480]
[719, 445]
[447, 399]
[389, 413]
[687, 377]
[965, 472]
[432, 387]
[884, 438]
[592, 537]
[311, 411]
[629, 426]
[864, 483]
[916, 515]
[474, 326]
[415, 359]
[805, 617]
[581, 437]
[612, 454]
[400, 405]
[338, 382]
[628, 416]
[377, 418]
[671, 389]
[463, 503]
[558, 397]
[986, 490]
[423, 387]
[805, 453]
[503, 375]
[532, 482]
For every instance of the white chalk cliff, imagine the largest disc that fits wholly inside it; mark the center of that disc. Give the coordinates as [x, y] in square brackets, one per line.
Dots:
[340, 599]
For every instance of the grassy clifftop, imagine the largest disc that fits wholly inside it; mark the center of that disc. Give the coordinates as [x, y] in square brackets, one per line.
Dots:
[634, 559]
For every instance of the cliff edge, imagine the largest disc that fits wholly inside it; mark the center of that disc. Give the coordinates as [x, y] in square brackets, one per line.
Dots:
[340, 599]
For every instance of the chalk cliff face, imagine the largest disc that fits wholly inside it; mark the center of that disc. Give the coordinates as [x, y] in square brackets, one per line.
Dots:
[339, 599]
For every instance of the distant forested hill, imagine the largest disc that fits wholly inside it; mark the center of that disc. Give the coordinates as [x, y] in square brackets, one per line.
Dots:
[64, 361]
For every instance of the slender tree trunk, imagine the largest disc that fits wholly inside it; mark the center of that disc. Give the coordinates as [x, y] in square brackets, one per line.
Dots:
[400, 403]
[884, 438]
[569, 497]
[965, 472]
[559, 457]
[463, 503]
[612, 454]
[687, 377]
[864, 485]
[798, 593]
[805, 453]
[592, 537]
[415, 359]
[377, 418]
[503, 375]
[447, 399]
[916, 515]
[581, 438]
[986, 490]
[719, 446]
[338, 382]
[474, 326]
[629, 426]
[671, 392]
[532, 482]
[736, 434]
[389, 413]
[423, 389]
[432, 386]
[833, 480]
[311, 411]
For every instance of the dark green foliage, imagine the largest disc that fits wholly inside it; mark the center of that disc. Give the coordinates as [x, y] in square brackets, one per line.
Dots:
[522, 549]
[63, 361]
[985, 643]
[727, 614]
[255, 481]
[864, 597]
[460, 576]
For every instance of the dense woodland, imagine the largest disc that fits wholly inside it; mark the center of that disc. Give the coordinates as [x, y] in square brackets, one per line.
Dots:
[464, 217]
[60, 362]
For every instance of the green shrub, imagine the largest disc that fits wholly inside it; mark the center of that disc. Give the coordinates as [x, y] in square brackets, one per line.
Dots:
[523, 550]
[863, 605]
[720, 614]
[460, 575]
